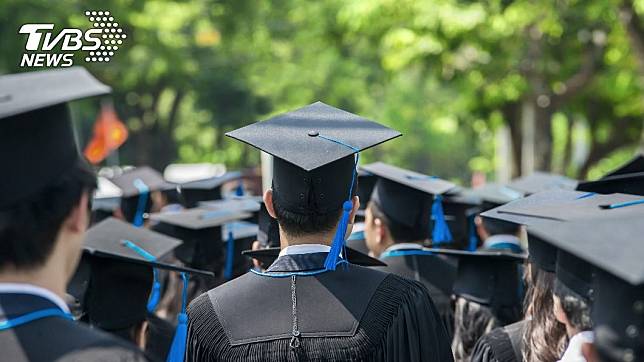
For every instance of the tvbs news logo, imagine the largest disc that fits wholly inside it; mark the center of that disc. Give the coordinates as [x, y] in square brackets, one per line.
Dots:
[47, 47]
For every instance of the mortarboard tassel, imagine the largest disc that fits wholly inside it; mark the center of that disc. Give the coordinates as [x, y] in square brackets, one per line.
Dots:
[155, 294]
[337, 246]
[440, 233]
[144, 191]
[178, 347]
[230, 255]
[473, 240]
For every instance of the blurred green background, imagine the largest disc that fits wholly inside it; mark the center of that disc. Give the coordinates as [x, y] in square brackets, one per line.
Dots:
[497, 88]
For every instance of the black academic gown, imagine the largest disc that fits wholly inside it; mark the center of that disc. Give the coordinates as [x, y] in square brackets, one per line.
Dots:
[503, 344]
[436, 272]
[55, 338]
[353, 313]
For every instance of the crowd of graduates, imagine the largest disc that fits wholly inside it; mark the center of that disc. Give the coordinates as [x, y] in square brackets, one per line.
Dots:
[336, 261]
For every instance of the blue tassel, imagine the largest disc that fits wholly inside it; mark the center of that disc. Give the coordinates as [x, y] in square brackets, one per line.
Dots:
[239, 191]
[338, 241]
[440, 233]
[155, 295]
[230, 256]
[144, 192]
[178, 348]
[473, 239]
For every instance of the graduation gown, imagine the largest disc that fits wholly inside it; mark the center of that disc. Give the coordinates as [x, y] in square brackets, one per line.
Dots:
[436, 272]
[55, 338]
[501, 344]
[353, 313]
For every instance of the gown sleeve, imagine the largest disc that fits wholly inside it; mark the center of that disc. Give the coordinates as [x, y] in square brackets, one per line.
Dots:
[417, 333]
[495, 346]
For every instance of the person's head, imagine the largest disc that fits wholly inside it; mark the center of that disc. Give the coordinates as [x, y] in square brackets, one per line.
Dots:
[571, 309]
[47, 225]
[308, 204]
[544, 338]
[487, 227]
[471, 321]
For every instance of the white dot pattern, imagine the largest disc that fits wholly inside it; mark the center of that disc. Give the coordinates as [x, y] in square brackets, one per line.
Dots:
[111, 35]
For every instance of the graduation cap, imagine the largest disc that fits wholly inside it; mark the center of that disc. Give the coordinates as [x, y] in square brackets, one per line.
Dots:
[487, 277]
[136, 185]
[269, 255]
[460, 209]
[200, 230]
[494, 194]
[205, 190]
[611, 245]
[315, 164]
[248, 204]
[123, 261]
[628, 179]
[107, 198]
[542, 181]
[36, 133]
[412, 200]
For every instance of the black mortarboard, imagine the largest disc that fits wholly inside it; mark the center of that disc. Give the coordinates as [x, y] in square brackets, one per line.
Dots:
[613, 247]
[137, 184]
[494, 194]
[407, 197]
[487, 277]
[314, 169]
[628, 179]
[268, 233]
[541, 253]
[248, 204]
[120, 259]
[542, 181]
[36, 133]
[585, 206]
[269, 255]
[635, 165]
[460, 209]
[205, 190]
[200, 230]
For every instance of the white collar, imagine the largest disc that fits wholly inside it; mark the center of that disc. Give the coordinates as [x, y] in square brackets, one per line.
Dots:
[24, 288]
[573, 351]
[305, 249]
[501, 238]
[403, 246]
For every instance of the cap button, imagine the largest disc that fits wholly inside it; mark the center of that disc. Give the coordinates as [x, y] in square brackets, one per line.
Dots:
[314, 133]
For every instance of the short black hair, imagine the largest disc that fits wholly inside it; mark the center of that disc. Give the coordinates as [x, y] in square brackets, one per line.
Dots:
[400, 232]
[29, 227]
[296, 224]
[498, 227]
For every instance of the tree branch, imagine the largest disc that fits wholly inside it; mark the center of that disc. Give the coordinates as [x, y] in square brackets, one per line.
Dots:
[634, 29]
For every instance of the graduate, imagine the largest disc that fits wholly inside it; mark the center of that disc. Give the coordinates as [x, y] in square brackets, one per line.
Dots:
[539, 336]
[400, 218]
[44, 212]
[321, 306]
[141, 187]
[120, 259]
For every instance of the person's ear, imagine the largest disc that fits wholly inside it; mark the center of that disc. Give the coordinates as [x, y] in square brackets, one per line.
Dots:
[356, 206]
[268, 201]
[78, 219]
[379, 228]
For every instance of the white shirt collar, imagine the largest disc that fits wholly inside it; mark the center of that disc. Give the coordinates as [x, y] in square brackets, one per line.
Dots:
[573, 351]
[404, 246]
[23, 288]
[305, 249]
[501, 238]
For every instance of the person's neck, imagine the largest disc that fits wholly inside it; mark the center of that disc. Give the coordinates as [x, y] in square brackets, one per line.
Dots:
[572, 331]
[47, 276]
[322, 238]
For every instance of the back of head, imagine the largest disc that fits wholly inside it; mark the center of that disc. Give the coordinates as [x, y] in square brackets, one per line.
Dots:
[500, 227]
[545, 338]
[310, 202]
[30, 226]
[471, 321]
